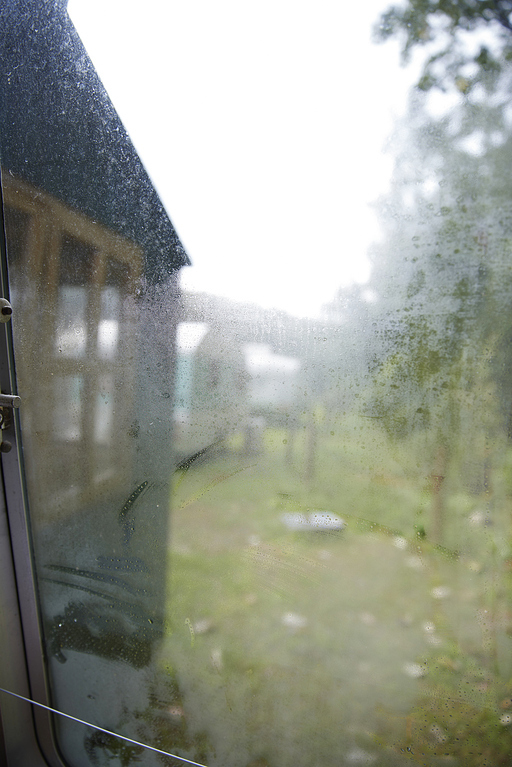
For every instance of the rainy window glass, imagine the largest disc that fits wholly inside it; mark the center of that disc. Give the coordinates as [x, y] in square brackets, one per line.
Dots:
[17, 226]
[112, 317]
[267, 410]
[76, 262]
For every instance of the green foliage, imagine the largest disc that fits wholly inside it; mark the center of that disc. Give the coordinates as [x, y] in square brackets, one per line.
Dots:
[254, 686]
[418, 382]
[452, 63]
[443, 274]
[462, 712]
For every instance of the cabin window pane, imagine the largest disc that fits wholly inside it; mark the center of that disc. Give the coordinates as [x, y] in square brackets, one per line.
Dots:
[69, 413]
[75, 272]
[108, 329]
[113, 315]
[103, 421]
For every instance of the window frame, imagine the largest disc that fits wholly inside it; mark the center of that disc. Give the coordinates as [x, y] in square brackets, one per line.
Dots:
[26, 729]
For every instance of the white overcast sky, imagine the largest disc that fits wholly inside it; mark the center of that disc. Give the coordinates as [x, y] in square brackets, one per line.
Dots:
[262, 125]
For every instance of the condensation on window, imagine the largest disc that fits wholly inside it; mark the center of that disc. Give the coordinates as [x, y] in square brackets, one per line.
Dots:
[266, 537]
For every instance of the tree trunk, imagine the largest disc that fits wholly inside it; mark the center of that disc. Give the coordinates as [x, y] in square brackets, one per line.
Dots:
[309, 463]
[436, 479]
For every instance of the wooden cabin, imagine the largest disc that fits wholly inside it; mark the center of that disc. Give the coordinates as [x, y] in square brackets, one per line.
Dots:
[92, 262]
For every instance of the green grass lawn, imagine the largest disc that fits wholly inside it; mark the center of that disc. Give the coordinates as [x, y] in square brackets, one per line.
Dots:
[369, 646]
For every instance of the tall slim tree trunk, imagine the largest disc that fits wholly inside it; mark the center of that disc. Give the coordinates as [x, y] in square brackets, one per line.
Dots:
[436, 479]
[310, 453]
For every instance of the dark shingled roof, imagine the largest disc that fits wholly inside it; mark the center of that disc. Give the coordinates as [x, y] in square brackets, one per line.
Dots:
[60, 132]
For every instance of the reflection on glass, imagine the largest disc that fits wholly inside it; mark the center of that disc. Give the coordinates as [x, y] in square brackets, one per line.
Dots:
[71, 332]
[68, 416]
[75, 271]
[104, 412]
[92, 274]
[17, 224]
[339, 565]
[19, 230]
[108, 327]
[113, 316]
[188, 337]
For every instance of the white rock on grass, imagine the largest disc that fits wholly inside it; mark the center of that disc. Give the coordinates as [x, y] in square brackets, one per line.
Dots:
[359, 756]
[477, 518]
[294, 621]
[438, 734]
[368, 619]
[441, 592]
[316, 521]
[216, 659]
[414, 670]
[203, 626]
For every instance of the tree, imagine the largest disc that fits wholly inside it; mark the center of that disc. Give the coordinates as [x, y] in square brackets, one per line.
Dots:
[443, 272]
[442, 27]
